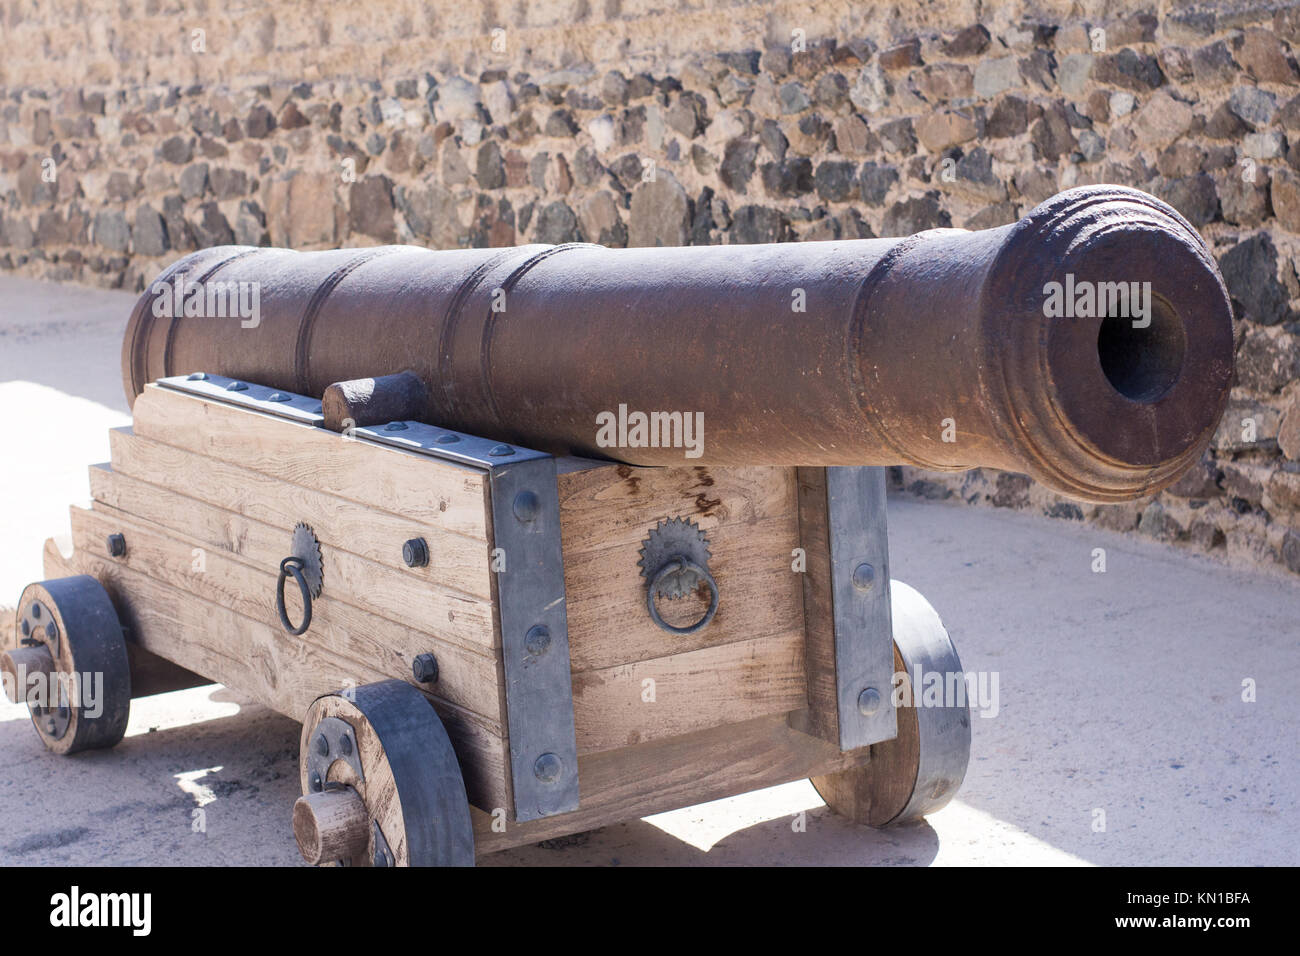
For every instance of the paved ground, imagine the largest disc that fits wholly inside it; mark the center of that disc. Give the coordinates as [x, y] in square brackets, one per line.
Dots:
[1121, 735]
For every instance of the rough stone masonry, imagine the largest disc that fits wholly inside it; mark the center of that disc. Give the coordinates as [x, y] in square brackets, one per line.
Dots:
[132, 131]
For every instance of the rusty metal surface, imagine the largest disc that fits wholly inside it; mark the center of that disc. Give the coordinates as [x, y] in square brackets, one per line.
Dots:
[933, 350]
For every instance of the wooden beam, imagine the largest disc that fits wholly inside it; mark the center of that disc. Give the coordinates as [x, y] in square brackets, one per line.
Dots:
[677, 772]
[459, 561]
[440, 494]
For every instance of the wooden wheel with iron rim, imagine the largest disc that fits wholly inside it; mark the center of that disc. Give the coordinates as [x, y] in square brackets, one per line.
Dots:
[381, 784]
[918, 772]
[67, 661]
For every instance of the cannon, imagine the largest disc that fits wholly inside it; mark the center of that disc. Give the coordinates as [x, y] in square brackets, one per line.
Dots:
[534, 540]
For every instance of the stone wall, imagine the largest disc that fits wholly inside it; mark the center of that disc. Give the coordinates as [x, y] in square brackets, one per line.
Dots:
[132, 131]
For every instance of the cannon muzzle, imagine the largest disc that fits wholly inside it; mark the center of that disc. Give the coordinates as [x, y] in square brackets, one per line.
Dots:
[1088, 345]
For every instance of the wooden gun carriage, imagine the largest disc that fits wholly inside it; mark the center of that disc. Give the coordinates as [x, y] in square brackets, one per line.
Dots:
[509, 590]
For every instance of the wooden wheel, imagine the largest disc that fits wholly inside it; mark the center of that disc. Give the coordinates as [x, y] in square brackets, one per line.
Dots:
[381, 784]
[918, 772]
[68, 662]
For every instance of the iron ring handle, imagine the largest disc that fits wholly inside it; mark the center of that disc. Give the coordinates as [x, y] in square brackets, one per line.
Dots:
[676, 566]
[293, 565]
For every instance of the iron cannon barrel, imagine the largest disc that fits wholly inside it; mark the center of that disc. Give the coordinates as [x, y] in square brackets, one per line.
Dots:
[1088, 345]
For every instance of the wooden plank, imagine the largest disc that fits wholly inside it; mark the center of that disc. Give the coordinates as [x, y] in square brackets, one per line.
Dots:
[260, 660]
[468, 680]
[670, 696]
[618, 504]
[818, 607]
[421, 488]
[752, 526]
[455, 560]
[403, 597]
[608, 622]
[676, 772]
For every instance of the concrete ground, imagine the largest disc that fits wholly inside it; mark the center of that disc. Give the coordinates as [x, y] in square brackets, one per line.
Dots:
[1121, 735]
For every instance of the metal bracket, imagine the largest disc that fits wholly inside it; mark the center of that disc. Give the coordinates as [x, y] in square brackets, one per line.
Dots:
[297, 408]
[37, 622]
[864, 634]
[531, 607]
[535, 638]
[383, 855]
[529, 587]
[332, 739]
[55, 715]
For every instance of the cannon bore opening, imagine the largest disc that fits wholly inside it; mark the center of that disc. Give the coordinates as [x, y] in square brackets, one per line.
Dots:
[1142, 363]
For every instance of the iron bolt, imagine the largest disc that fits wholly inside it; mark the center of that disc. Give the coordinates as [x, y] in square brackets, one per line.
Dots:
[236, 387]
[448, 439]
[527, 506]
[547, 768]
[116, 545]
[500, 451]
[425, 668]
[868, 702]
[415, 553]
[395, 427]
[199, 377]
[864, 577]
[537, 640]
[277, 397]
[316, 782]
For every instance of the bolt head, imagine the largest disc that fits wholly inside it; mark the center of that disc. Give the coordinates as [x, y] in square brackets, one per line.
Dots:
[345, 745]
[527, 506]
[415, 553]
[448, 439]
[538, 640]
[500, 451]
[869, 702]
[36, 610]
[547, 768]
[425, 668]
[315, 782]
[395, 427]
[116, 545]
[236, 387]
[864, 577]
[198, 377]
[322, 745]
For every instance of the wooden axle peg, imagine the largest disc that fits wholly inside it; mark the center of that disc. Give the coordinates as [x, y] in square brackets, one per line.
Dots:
[331, 825]
[16, 666]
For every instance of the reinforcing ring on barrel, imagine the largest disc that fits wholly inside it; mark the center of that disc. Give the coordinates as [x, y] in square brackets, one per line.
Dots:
[293, 565]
